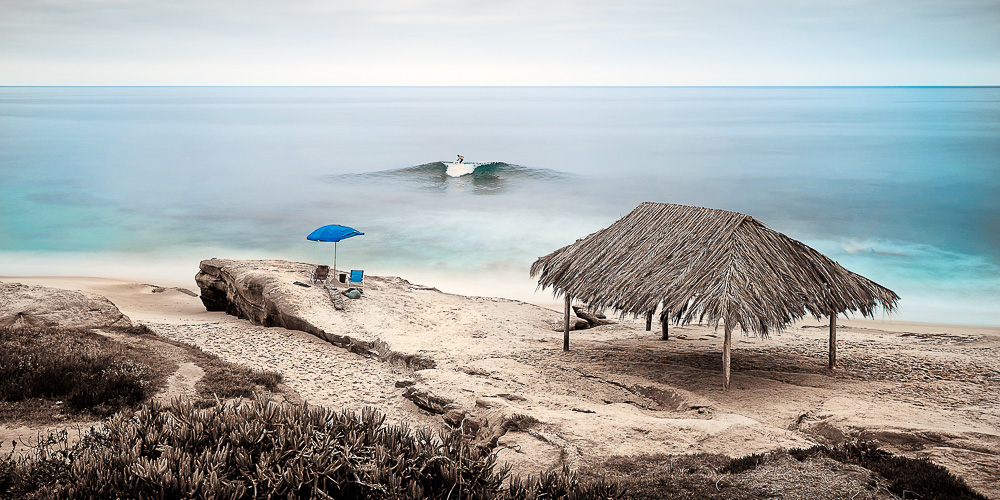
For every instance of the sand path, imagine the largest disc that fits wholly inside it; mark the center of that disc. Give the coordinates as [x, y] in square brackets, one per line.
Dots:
[180, 384]
[319, 371]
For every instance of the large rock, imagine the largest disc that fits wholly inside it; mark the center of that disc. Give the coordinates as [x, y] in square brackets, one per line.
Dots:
[266, 293]
[252, 290]
[40, 306]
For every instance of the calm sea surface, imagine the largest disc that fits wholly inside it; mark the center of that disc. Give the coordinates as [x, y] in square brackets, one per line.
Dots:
[901, 185]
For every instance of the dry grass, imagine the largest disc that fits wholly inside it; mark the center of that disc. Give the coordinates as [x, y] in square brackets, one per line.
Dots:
[519, 422]
[56, 375]
[856, 470]
[222, 379]
[228, 380]
[49, 374]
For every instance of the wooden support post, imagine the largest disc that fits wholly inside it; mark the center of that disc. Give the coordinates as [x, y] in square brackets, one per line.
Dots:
[726, 347]
[833, 341]
[664, 324]
[649, 321]
[566, 324]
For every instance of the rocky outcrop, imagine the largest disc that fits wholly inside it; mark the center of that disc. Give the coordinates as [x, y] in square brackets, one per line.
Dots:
[40, 306]
[245, 289]
[265, 293]
[426, 400]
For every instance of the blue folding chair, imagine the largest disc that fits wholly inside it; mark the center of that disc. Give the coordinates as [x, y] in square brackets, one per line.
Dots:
[357, 279]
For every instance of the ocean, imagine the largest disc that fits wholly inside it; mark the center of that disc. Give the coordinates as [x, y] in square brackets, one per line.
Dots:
[901, 185]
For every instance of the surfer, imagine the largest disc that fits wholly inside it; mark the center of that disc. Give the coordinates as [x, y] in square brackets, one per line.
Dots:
[461, 159]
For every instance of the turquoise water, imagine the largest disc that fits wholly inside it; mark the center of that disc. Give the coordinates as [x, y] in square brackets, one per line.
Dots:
[899, 184]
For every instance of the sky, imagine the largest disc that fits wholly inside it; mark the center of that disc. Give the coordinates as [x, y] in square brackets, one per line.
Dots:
[500, 42]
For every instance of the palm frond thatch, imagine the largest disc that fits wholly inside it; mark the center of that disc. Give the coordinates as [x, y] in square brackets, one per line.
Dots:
[709, 265]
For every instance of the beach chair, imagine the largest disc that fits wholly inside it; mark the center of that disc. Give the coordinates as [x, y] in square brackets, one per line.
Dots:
[320, 275]
[357, 279]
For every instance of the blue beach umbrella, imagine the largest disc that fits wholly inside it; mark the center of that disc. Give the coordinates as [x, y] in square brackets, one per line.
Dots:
[334, 233]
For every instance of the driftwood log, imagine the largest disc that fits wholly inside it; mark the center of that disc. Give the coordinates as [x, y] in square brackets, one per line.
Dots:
[591, 318]
[574, 324]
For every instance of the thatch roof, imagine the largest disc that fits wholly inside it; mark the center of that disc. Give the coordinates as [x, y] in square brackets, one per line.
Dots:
[706, 265]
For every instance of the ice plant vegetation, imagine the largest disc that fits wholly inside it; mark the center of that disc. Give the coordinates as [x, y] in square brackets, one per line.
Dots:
[258, 448]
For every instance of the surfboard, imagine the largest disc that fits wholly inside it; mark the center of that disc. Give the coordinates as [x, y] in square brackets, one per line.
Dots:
[456, 169]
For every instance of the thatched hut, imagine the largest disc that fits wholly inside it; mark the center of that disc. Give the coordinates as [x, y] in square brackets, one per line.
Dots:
[706, 265]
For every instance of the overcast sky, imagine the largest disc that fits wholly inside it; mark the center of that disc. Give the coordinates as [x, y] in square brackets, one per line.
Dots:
[500, 42]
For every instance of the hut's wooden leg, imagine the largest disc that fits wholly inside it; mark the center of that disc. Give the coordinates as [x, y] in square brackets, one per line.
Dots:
[833, 341]
[726, 347]
[649, 321]
[664, 324]
[566, 325]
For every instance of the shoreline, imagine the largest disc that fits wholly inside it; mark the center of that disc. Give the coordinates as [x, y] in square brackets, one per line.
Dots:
[123, 293]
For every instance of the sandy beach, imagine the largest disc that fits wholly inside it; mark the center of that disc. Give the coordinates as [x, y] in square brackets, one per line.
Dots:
[922, 390]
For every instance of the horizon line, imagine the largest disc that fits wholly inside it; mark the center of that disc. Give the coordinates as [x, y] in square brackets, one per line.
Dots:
[503, 86]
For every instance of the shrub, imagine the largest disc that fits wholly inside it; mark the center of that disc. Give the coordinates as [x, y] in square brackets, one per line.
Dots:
[653, 477]
[261, 449]
[86, 370]
[563, 484]
[518, 422]
[133, 329]
[21, 477]
[908, 477]
[745, 463]
[228, 380]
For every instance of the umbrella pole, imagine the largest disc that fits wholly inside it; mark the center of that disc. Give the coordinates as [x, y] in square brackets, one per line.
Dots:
[335, 258]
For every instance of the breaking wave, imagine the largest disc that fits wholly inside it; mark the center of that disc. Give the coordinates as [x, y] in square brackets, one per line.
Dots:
[489, 177]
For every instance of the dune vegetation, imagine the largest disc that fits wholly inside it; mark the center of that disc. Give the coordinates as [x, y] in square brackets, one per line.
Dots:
[238, 440]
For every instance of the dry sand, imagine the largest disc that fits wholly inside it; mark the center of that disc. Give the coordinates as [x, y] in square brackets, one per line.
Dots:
[924, 390]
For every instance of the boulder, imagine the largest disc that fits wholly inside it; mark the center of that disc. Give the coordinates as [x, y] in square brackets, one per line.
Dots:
[460, 419]
[454, 416]
[40, 306]
[427, 401]
[527, 454]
